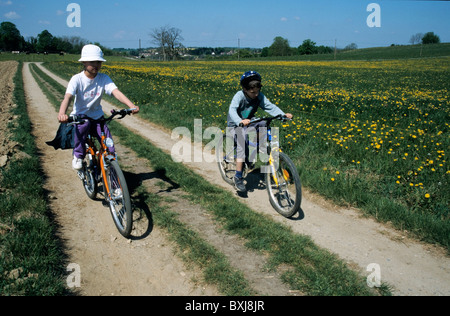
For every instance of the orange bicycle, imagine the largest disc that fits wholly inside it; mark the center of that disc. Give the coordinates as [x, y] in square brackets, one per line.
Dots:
[101, 166]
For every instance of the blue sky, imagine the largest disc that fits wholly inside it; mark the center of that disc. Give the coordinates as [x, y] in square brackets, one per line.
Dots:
[214, 23]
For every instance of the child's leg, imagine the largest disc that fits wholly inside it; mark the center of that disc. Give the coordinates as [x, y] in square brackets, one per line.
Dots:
[81, 132]
[240, 135]
[98, 127]
[261, 129]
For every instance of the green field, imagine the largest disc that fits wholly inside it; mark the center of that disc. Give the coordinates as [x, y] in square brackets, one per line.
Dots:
[368, 133]
[371, 134]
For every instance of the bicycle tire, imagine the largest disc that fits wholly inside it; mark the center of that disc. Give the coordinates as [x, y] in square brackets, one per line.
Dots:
[286, 197]
[119, 198]
[89, 181]
[226, 160]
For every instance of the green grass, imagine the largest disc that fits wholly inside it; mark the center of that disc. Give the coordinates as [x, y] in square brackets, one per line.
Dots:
[314, 271]
[380, 53]
[191, 247]
[29, 247]
[369, 134]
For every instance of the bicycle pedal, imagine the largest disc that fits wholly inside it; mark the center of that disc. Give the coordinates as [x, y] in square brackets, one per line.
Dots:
[250, 166]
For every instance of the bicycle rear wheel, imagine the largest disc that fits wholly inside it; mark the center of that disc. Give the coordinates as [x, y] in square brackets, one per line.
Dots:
[284, 186]
[119, 199]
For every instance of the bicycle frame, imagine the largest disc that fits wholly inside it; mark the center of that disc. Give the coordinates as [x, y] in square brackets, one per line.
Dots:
[101, 157]
[273, 145]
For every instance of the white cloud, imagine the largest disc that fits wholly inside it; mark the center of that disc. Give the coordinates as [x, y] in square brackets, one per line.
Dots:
[6, 3]
[12, 15]
[60, 12]
[120, 35]
[283, 19]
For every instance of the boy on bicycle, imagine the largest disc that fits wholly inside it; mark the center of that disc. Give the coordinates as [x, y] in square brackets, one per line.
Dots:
[88, 88]
[243, 108]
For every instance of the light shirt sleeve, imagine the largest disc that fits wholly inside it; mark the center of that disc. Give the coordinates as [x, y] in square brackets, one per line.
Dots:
[269, 107]
[109, 85]
[233, 117]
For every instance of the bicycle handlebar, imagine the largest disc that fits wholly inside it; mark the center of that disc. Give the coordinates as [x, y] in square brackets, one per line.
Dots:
[269, 119]
[74, 120]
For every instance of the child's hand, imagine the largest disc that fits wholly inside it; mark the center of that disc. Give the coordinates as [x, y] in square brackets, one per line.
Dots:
[245, 122]
[135, 109]
[63, 118]
[289, 116]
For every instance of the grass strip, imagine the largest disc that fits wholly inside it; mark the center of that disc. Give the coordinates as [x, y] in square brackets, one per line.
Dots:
[315, 271]
[32, 260]
[192, 248]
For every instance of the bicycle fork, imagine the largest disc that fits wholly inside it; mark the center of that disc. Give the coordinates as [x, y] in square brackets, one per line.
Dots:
[274, 163]
[107, 157]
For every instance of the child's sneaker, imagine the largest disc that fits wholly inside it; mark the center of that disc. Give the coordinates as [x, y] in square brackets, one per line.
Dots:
[239, 184]
[77, 163]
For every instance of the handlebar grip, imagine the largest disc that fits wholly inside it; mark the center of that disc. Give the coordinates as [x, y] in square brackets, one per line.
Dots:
[75, 120]
[122, 112]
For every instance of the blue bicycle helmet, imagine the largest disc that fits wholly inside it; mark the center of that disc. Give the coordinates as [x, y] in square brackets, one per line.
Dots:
[250, 76]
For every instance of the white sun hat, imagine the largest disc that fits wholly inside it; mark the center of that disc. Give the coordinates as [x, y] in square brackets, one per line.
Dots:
[91, 53]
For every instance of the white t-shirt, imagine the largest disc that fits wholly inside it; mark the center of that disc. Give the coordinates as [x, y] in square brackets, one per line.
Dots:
[88, 94]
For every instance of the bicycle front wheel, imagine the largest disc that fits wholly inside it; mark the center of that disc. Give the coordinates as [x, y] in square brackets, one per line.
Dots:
[119, 199]
[284, 186]
[226, 159]
[89, 178]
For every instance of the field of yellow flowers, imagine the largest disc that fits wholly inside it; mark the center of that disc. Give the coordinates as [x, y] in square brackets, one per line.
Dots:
[369, 134]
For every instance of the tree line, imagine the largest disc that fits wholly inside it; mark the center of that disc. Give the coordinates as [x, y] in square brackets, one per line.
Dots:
[45, 42]
[281, 47]
[169, 42]
[427, 38]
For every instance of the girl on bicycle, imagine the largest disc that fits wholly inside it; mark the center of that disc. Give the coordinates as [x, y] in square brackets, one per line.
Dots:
[88, 88]
[243, 108]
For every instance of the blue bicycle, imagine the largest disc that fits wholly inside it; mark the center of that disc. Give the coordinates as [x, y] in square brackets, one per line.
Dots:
[281, 176]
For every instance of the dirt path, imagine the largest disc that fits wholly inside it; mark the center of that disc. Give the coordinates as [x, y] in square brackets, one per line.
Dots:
[411, 267]
[110, 264]
[8, 69]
